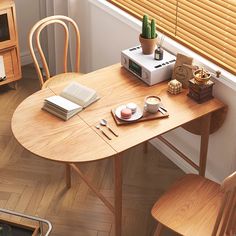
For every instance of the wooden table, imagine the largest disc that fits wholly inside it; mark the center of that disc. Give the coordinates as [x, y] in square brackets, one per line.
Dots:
[77, 140]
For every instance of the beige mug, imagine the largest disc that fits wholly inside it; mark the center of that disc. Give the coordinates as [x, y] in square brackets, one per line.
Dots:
[152, 103]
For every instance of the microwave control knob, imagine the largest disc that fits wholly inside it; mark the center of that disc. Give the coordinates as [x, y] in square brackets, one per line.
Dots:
[124, 60]
[145, 75]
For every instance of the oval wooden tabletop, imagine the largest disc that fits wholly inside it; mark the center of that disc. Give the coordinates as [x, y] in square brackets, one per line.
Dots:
[77, 140]
[50, 137]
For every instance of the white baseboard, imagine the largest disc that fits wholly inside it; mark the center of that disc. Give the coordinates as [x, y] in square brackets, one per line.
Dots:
[171, 155]
[26, 58]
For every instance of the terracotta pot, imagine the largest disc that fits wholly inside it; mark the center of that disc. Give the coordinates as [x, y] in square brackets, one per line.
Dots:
[148, 45]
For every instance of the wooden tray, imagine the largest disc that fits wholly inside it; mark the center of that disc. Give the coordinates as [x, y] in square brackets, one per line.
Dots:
[146, 116]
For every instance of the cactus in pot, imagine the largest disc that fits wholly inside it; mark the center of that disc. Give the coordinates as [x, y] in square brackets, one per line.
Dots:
[148, 38]
[145, 26]
[148, 30]
[153, 29]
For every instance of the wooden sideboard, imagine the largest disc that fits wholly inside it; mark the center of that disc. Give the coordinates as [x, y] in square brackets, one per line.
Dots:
[9, 48]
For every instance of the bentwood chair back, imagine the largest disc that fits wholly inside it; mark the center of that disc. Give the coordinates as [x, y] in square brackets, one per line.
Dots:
[196, 206]
[35, 32]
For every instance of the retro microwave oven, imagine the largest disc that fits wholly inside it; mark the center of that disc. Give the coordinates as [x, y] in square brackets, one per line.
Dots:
[145, 67]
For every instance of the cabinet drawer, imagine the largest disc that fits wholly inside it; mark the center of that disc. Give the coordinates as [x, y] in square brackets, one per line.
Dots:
[11, 65]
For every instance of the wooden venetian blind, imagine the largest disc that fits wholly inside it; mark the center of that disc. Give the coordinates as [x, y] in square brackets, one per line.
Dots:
[206, 26]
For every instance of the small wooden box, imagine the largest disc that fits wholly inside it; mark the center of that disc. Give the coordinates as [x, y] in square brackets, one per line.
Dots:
[200, 92]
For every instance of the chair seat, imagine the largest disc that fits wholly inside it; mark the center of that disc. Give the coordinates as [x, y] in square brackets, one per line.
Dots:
[190, 207]
[61, 78]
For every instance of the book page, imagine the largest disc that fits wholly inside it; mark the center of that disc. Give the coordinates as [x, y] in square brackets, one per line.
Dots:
[59, 113]
[79, 94]
[62, 103]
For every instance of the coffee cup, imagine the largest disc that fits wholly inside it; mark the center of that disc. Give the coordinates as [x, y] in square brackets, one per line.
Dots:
[152, 103]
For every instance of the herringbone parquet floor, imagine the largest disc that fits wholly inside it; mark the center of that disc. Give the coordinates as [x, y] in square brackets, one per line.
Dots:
[34, 186]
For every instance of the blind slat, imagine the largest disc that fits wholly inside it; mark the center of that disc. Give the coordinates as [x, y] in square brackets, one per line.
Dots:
[162, 24]
[157, 13]
[214, 8]
[205, 50]
[208, 27]
[208, 16]
[208, 38]
[226, 4]
[171, 3]
[165, 12]
[217, 32]
[232, 2]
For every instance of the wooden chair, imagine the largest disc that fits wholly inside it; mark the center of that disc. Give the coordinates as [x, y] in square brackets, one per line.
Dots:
[196, 206]
[36, 30]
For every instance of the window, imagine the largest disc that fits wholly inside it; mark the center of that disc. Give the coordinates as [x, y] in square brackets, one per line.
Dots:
[208, 27]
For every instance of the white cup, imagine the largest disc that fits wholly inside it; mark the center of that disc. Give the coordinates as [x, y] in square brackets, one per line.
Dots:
[152, 103]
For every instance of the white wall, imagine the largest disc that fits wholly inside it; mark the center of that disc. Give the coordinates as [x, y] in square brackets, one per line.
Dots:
[27, 13]
[79, 11]
[106, 37]
[102, 36]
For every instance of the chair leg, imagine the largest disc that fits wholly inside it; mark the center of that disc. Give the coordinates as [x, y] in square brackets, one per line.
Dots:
[68, 176]
[158, 229]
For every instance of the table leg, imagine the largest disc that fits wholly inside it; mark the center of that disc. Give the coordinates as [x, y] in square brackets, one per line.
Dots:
[68, 175]
[158, 229]
[145, 147]
[118, 194]
[205, 131]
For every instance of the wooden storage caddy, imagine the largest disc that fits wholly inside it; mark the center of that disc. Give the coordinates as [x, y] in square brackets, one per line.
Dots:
[9, 47]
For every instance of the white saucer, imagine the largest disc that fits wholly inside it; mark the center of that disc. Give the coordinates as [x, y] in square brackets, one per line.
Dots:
[137, 115]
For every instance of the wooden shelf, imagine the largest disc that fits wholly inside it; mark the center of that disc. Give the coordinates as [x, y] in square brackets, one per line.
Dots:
[9, 47]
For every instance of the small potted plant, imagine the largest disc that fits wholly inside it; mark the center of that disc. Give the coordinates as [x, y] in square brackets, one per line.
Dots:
[148, 38]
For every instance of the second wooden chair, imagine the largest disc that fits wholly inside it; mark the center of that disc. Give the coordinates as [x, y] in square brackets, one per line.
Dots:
[196, 206]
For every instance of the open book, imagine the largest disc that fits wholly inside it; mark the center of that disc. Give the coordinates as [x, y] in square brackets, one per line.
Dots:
[72, 100]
